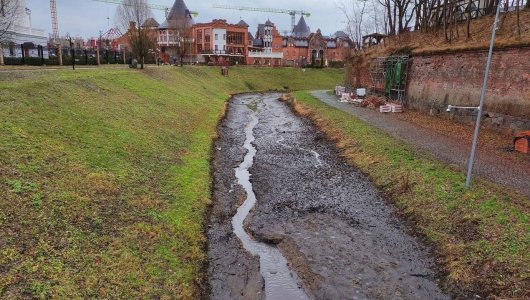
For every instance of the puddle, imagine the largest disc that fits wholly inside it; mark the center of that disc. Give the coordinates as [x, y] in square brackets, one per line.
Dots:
[280, 282]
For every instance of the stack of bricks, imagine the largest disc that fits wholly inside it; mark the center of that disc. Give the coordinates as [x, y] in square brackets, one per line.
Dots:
[522, 142]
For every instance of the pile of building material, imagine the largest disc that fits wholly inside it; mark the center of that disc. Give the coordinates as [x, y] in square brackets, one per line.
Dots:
[522, 142]
[373, 102]
[385, 108]
[392, 107]
[339, 90]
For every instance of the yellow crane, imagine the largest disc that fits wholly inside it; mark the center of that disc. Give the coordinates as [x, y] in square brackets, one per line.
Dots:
[290, 12]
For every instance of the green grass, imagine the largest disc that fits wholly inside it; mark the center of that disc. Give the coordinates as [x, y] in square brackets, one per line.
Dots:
[482, 234]
[105, 176]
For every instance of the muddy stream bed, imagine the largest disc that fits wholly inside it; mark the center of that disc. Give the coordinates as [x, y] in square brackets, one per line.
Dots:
[292, 220]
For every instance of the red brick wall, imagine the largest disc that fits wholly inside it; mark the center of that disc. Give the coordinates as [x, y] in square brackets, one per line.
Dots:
[456, 78]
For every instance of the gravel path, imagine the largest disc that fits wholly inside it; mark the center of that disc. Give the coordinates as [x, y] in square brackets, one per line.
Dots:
[450, 150]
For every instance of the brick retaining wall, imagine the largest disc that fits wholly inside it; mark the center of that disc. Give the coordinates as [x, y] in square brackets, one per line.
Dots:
[455, 78]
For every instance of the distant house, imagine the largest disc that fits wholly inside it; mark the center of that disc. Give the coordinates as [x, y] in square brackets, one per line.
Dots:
[22, 40]
[373, 39]
[220, 43]
[267, 46]
[303, 47]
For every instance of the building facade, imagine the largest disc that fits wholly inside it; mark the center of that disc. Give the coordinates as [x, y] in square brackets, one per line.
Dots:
[267, 46]
[22, 40]
[220, 43]
[304, 48]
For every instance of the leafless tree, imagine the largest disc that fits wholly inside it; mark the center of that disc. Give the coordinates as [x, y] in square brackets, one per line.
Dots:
[9, 9]
[183, 37]
[132, 14]
[354, 12]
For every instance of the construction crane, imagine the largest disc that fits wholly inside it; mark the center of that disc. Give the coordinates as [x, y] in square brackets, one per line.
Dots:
[290, 12]
[55, 23]
[151, 6]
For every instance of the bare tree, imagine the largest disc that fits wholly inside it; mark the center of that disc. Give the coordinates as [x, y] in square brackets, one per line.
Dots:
[354, 13]
[132, 15]
[183, 37]
[517, 5]
[9, 9]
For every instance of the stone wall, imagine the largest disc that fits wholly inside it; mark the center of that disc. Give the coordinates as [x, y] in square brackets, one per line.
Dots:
[455, 78]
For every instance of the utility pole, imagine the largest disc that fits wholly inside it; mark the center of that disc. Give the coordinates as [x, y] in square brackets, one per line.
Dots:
[72, 51]
[98, 46]
[482, 97]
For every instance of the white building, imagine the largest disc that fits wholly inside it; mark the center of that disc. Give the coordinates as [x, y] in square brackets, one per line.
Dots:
[219, 40]
[21, 39]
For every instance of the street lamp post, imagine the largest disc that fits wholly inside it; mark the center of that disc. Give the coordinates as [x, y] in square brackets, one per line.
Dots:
[72, 51]
[482, 96]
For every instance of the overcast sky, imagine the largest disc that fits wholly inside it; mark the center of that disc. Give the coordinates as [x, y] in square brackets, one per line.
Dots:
[87, 17]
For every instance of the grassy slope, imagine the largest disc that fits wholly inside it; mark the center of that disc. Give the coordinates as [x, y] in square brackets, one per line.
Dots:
[480, 29]
[104, 176]
[483, 235]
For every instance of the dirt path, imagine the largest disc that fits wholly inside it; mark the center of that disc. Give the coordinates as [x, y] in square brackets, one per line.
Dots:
[505, 172]
[336, 232]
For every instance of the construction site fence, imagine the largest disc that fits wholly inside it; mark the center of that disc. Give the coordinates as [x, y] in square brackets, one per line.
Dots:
[82, 57]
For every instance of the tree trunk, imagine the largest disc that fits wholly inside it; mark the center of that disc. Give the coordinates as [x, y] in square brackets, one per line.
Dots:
[390, 21]
[468, 21]
[1, 55]
[142, 64]
[518, 18]
[444, 12]
[395, 20]
[419, 20]
[438, 15]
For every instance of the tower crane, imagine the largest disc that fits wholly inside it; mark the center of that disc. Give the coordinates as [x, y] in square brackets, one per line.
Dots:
[55, 23]
[55, 30]
[290, 12]
[151, 6]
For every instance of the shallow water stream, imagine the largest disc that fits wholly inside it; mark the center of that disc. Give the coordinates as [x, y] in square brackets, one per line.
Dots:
[337, 236]
[280, 282]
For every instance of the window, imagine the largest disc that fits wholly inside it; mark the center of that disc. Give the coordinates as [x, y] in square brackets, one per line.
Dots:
[216, 37]
[199, 36]
[224, 37]
[276, 47]
[216, 48]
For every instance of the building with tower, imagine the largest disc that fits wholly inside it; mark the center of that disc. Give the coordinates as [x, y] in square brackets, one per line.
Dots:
[303, 47]
[267, 46]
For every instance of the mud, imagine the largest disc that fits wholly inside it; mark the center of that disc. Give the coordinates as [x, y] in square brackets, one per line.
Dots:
[330, 223]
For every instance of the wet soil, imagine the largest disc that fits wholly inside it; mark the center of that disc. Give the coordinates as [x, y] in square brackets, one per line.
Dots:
[337, 233]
